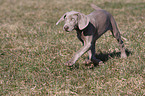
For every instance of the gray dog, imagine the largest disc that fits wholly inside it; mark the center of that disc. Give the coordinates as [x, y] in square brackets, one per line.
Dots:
[89, 28]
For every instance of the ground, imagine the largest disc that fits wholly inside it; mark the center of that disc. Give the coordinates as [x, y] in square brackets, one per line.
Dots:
[33, 50]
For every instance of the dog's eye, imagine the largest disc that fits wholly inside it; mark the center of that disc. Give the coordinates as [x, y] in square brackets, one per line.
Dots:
[72, 19]
[64, 16]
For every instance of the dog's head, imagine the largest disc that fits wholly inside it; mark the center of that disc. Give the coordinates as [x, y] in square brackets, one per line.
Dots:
[74, 19]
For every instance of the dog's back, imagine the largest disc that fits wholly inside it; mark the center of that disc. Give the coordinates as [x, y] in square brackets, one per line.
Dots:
[96, 7]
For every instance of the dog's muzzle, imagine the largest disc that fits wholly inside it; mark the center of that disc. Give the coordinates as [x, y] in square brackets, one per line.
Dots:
[66, 28]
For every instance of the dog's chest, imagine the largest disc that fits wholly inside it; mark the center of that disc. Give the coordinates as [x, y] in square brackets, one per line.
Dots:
[81, 36]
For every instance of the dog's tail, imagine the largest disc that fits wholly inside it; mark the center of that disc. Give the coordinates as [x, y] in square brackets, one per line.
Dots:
[95, 7]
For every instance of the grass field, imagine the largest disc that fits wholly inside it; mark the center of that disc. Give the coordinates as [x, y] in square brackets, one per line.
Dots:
[33, 50]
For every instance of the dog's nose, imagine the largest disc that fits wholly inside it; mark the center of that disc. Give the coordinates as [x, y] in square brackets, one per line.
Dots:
[66, 28]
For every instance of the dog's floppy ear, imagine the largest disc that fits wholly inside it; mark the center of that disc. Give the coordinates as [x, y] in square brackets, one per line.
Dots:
[83, 21]
[61, 19]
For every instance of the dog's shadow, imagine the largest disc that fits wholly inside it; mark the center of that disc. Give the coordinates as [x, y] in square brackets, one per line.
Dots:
[106, 56]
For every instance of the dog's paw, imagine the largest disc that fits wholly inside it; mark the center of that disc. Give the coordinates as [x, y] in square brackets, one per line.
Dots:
[69, 63]
[100, 63]
[91, 66]
[87, 62]
[123, 55]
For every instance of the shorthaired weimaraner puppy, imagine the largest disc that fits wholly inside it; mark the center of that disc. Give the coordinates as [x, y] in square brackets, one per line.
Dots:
[89, 28]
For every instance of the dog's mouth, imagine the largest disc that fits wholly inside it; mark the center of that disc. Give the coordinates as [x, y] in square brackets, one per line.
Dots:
[75, 27]
[69, 29]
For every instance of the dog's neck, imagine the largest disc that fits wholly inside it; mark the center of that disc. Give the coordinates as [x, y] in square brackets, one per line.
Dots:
[76, 27]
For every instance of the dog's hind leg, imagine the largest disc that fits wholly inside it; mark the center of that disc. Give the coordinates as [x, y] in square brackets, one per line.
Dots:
[117, 35]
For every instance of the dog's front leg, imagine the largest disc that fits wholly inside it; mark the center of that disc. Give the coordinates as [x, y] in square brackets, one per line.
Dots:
[85, 48]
